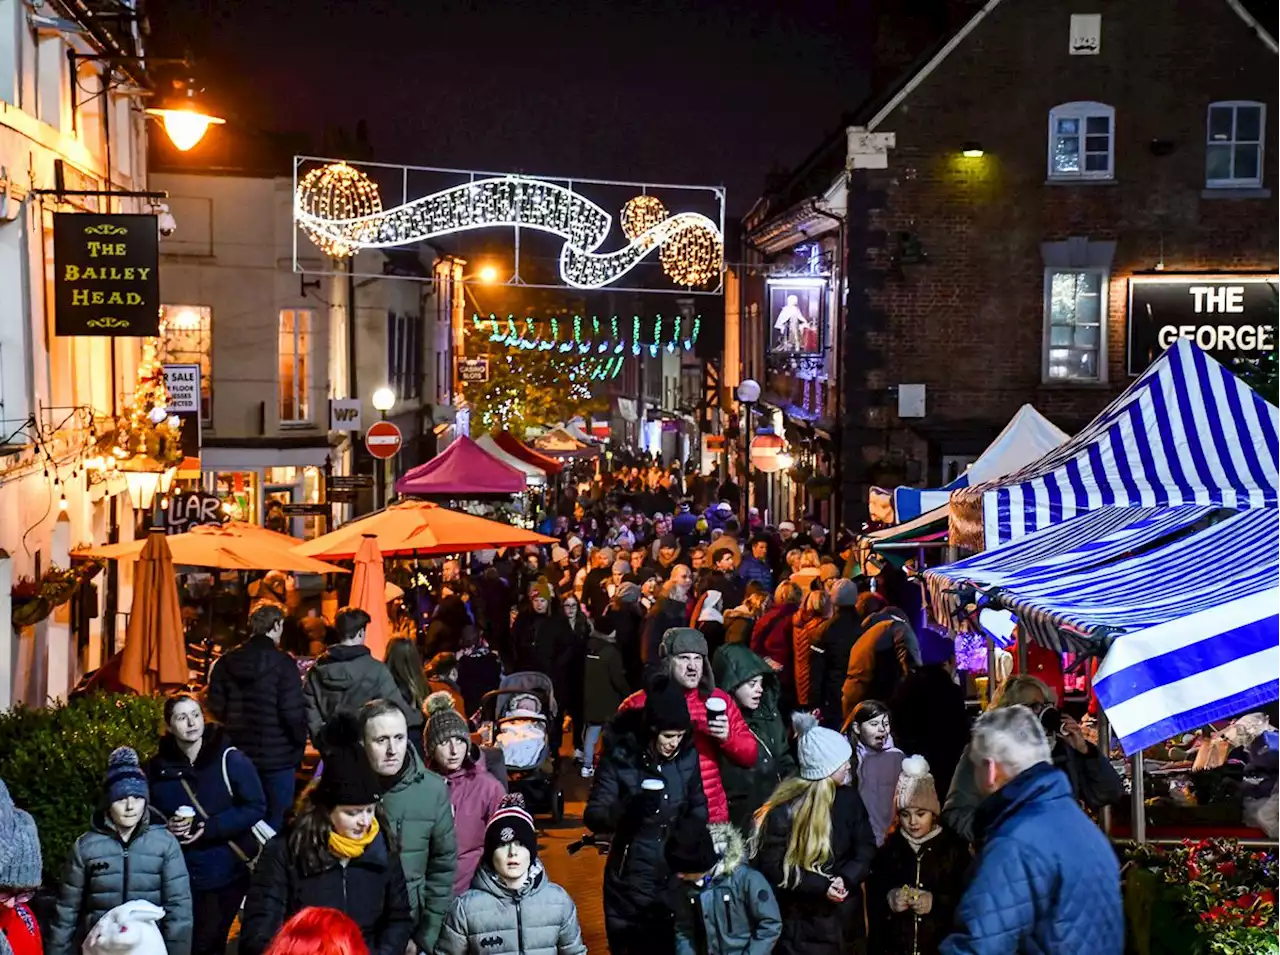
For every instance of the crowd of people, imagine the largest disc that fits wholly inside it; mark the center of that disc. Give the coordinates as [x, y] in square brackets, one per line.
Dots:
[779, 758]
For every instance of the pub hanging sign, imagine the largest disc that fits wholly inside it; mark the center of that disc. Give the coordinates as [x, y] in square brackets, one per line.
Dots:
[106, 279]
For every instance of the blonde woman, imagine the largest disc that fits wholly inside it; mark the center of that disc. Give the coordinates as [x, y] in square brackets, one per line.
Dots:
[813, 842]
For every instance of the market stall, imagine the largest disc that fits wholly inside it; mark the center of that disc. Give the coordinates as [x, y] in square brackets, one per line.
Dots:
[463, 471]
[1187, 431]
[514, 446]
[1181, 651]
[534, 476]
[1027, 437]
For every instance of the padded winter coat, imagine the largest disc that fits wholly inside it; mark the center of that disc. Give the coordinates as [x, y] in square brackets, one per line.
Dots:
[103, 872]
[747, 788]
[939, 867]
[474, 794]
[828, 664]
[369, 888]
[1046, 880]
[740, 747]
[636, 873]
[255, 692]
[604, 681]
[421, 822]
[885, 653]
[811, 923]
[346, 677]
[1090, 775]
[734, 904]
[490, 919]
[211, 862]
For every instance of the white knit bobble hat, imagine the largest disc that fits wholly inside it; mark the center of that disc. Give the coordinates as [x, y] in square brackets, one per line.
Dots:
[821, 751]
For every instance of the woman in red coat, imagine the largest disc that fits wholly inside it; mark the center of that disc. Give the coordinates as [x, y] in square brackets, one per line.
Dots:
[774, 639]
[684, 651]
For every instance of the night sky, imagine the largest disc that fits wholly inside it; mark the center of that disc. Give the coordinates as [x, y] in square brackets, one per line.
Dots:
[700, 91]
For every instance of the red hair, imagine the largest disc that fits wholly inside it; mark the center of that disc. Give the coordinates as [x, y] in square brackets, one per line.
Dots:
[318, 931]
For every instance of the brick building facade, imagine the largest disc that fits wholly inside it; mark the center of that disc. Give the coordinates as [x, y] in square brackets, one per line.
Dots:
[1026, 189]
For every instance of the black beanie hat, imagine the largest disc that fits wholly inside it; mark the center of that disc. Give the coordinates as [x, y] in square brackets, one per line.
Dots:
[346, 778]
[665, 707]
[690, 848]
[510, 823]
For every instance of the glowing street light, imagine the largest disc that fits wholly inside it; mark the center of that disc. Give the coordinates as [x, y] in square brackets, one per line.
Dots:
[184, 121]
[488, 274]
[384, 399]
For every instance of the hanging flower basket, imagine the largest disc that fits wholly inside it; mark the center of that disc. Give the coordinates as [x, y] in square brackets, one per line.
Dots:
[821, 487]
[33, 600]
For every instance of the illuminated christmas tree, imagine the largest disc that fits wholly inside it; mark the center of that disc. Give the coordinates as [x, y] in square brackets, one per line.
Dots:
[146, 429]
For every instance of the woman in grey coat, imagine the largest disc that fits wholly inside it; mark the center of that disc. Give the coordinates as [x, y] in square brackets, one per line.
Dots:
[128, 855]
[512, 907]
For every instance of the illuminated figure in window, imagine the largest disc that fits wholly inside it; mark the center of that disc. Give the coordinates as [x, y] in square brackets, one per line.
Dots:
[790, 325]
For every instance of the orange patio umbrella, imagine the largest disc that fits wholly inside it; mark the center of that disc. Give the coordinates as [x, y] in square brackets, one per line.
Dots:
[231, 546]
[419, 528]
[369, 593]
[155, 653]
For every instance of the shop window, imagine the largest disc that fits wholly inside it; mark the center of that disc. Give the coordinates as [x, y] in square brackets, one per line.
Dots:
[1075, 325]
[404, 356]
[186, 338]
[294, 373]
[1082, 141]
[1233, 154]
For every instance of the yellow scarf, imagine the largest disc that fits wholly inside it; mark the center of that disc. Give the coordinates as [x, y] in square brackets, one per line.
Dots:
[345, 848]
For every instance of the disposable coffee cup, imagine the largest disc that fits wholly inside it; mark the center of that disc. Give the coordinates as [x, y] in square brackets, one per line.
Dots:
[716, 708]
[185, 816]
[652, 785]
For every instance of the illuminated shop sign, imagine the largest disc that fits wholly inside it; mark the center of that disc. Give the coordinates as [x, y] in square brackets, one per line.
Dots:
[106, 274]
[1227, 316]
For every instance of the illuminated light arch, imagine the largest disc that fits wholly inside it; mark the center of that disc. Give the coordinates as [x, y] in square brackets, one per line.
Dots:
[508, 201]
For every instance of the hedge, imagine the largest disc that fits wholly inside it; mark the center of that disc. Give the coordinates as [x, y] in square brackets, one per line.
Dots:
[53, 761]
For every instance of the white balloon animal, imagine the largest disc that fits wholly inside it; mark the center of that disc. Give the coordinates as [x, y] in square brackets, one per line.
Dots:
[128, 929]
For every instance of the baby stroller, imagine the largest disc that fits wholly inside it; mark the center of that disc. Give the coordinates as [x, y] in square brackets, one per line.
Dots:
[517, 719]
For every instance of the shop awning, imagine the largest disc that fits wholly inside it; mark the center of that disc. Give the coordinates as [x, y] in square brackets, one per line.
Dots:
[1188, 615]
[1027, 438]
[925, 529]
[532, 473]
[514, 446]
[462, 471]
[1187, 431]
[561, 443]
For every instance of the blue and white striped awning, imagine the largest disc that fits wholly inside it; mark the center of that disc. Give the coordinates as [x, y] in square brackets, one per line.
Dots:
[1187, 431]
[1189, 615]
[1073, 547]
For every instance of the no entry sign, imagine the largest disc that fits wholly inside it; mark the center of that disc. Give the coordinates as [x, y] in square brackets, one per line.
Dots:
[383, 439]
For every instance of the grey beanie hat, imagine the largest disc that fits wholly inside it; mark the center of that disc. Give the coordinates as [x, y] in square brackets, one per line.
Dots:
[629, 592]
[443, 721]
[844, 593]
[680, 640]
[20, 861]
[820, 751]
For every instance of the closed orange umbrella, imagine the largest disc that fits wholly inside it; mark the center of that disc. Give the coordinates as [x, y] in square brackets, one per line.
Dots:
[369, 593]
[230, 546]
[155, 654]
[420, 528]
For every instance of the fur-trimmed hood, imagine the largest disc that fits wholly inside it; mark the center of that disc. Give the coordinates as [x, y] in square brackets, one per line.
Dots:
[730, 845]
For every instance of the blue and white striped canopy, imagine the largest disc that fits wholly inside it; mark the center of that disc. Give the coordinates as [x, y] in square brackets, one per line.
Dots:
[1189, 615]
[1187, 431]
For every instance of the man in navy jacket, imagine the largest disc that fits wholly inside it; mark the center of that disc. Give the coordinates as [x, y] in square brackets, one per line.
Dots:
[1046, 880]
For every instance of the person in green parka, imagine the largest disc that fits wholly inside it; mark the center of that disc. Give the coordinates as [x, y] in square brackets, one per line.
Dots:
[755, 688]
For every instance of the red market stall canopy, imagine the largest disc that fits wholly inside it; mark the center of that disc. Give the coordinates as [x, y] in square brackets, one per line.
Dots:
[509, 443]
[420, 528]
[465, 471]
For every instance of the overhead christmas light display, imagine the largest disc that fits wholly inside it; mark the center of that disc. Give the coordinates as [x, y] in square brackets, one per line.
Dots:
[341, 214]
[337, 192]
[522, 334]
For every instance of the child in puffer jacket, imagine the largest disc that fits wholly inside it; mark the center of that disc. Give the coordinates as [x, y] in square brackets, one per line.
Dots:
[512, 907]
[918, 875]
[722, 905]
